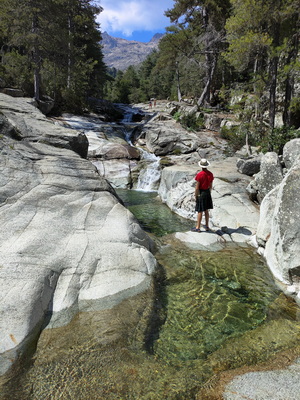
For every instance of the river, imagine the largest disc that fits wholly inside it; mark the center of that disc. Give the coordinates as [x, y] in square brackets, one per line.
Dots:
[212, 312]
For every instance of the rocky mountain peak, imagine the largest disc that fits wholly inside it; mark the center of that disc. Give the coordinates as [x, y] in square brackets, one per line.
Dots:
[121, 53]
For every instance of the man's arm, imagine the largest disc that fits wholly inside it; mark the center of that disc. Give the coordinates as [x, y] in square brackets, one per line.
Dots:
[197, 189]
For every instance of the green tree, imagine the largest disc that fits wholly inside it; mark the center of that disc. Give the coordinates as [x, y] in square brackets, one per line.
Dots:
[264, 36]
[198, 36]
[58, 41]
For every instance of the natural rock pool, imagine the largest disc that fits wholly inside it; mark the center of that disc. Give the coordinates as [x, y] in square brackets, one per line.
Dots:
[212, 312]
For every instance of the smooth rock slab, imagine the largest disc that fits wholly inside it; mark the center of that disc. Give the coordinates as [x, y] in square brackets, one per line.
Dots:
[66, 243]
[270, 385]
[205, 241]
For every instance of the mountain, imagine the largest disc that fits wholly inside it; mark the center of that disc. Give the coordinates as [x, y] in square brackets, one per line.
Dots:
[121, 53]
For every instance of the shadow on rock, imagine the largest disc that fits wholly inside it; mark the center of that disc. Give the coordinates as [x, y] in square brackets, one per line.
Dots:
[229, 231]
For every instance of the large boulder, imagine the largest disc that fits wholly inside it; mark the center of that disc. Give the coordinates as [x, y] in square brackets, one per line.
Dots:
[106, 150]
[24, 122]
[249, 165]
[176, 189]
[282, 245]
[266, 216]
[163, 139]
[291, 152]
[121, 173]
[270, 175]
[232, 207]
[279, 235]
[66, 243]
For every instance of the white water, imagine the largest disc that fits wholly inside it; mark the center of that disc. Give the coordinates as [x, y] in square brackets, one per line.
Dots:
[149, 176]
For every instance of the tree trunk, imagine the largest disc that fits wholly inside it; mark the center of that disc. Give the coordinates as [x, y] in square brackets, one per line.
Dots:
[289, 83]
[36, 58]
[69, 52]
[272, 93]
[273, 84]
[178, 83]
[205, 94]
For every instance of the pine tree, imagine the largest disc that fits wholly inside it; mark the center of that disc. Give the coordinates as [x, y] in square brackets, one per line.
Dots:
[58, 42]
[199, 34]
[264, 36]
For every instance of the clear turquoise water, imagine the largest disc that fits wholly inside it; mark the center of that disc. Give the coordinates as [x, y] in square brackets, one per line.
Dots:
[154, 216]
[211, 312]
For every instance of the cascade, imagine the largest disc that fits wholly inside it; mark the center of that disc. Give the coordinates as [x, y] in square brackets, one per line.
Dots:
[150, 172]
[150, 175]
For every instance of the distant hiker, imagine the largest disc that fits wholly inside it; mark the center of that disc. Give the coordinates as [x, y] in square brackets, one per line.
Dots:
[150, 103]
[203, 188]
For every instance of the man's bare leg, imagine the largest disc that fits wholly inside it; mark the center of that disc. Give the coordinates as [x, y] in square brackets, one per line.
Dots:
[199, 219]
[207, 219]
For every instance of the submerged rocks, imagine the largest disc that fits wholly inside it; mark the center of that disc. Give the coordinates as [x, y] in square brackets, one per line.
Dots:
[66, 243]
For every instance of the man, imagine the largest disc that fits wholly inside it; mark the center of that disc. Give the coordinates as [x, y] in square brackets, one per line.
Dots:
[203, 188]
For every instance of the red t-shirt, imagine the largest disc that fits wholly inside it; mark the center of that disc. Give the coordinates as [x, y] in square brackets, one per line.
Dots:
[205, 179]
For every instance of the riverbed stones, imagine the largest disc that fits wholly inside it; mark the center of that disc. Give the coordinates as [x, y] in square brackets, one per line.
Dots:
[66, 243]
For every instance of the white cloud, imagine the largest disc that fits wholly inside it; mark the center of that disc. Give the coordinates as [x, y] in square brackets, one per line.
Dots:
[128, 16]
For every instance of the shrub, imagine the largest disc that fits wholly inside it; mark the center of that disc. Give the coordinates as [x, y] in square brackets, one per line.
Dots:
[278, 138]
[235, 136]
[192, 121]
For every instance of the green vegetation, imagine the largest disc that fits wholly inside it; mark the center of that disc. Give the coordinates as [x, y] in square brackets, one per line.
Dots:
[51, 48]
[217, 50]
[214, 51]
[190, 121]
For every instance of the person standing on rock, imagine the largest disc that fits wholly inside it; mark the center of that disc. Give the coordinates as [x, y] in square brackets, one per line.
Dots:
[203, 188]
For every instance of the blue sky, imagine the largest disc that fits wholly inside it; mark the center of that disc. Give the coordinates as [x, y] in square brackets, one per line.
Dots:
[134, 19]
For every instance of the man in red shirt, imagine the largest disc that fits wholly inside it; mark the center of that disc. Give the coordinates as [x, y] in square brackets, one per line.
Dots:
[203, 188]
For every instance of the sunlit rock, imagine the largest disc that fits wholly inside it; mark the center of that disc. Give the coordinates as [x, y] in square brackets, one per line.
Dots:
[279, 233]
[162, 139]
[232, 207]
[66, 243]
[270, 175]
[291, 152]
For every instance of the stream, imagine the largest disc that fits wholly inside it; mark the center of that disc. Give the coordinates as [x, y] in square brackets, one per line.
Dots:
[212, 312]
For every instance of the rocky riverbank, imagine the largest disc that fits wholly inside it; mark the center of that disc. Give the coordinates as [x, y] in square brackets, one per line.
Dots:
[272, 226]
[271, 222]
[67, 244]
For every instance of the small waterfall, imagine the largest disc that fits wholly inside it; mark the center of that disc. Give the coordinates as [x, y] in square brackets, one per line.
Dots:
[150, 175]
[150, 171]
[127, 135]
[127, 117]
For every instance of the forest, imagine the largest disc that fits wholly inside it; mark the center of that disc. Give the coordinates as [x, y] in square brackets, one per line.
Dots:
[52, 48]
[237, 55]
